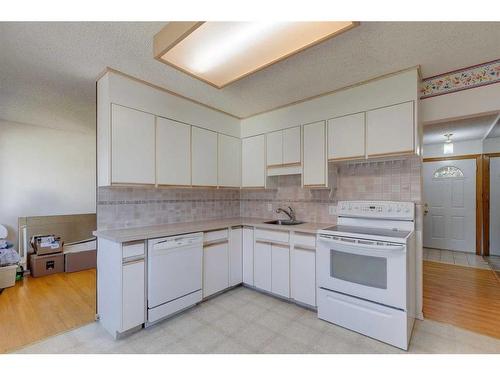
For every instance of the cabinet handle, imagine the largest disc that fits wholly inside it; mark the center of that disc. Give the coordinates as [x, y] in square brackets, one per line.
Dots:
[215, 242]
[132, 260]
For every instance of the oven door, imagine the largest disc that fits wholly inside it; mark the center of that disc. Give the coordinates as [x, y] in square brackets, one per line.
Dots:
[372, 270]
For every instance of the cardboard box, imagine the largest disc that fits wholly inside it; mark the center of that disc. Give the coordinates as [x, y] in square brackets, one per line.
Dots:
[79, 261]
[43, 265]
[42, 247]
[8, 276]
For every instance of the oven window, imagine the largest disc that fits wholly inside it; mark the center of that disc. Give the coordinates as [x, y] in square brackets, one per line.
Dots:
[359, 269]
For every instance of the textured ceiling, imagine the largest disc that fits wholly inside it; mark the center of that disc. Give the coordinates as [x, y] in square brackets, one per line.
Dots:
[463, 130]
[47, 70]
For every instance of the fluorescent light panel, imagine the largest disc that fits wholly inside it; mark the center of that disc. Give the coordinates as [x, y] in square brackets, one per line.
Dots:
[220, 53]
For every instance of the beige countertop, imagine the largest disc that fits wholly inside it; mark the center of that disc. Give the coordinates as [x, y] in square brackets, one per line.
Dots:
[174, 229]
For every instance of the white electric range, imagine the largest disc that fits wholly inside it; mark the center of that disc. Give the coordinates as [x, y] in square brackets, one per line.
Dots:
[366, 270]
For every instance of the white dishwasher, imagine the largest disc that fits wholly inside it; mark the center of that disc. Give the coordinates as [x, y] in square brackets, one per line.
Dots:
[174, 274]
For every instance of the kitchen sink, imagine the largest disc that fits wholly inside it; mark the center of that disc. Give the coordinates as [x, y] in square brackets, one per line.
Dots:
[284, 222]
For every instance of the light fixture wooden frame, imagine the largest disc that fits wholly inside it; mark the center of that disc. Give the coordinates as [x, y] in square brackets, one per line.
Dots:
[174, 32]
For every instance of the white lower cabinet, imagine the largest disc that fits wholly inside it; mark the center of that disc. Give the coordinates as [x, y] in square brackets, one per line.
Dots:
[262, 265]
[235, 256]
[133, 279]
[247, 253]
[215, 268]
[303, 275]
[280, 270]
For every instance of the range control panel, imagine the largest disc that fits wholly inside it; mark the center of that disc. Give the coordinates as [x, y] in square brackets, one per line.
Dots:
[377, 209]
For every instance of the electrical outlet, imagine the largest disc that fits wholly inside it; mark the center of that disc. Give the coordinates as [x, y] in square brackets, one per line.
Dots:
[269, 207]
[332, 210]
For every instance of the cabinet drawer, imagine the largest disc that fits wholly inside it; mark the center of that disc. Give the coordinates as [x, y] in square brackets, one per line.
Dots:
[304, 240]
[215, 235]
[272, 235]
[133, 249]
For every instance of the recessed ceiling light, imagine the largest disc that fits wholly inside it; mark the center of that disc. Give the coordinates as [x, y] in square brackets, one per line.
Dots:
[220, 53]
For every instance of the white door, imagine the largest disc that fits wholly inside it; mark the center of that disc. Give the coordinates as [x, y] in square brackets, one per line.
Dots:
[173, 152]
[132, 146]
[495, 206]
[262, 265]
[229, 161]
[248, 256]
[253, 173]
[274, 148]
[390, 130]
[235, 257]
[291, 145]
[280, 270]
[133, 295]
[303, 275]
[450, 196]
[346, 137]
[315, 164]
[204, 157]
[215, 268]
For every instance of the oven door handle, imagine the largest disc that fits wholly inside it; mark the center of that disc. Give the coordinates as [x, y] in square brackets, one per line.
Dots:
[361, 246]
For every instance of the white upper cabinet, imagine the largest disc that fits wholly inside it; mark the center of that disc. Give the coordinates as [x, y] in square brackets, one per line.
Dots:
[229, 161]
[346, 137]
[315, 163]
[253, 162]
[390, 130]
[291, 145]
[132, 146]
[173, 152]
[204, 157]
[283, 147]
[274, 147]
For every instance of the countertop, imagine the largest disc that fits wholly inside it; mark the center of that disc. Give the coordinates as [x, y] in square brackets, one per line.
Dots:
[174, 229]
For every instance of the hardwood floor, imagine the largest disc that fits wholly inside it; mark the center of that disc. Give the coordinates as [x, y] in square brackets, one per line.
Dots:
[462, 296]
[37, 308]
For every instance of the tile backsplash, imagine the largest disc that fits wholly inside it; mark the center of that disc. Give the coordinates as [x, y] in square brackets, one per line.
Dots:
[120, 207]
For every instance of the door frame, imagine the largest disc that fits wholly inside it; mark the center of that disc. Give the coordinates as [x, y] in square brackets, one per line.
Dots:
[486, 200]
[479, 191]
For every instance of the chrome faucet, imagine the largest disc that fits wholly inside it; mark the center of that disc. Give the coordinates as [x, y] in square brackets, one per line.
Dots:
[290, 213]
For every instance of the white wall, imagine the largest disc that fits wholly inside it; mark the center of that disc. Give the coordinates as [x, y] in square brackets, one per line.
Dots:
[44, 171]
[464, 148]
[132, 93]
[491, 145]
[461, 104]
[459, 148]
[397, 88]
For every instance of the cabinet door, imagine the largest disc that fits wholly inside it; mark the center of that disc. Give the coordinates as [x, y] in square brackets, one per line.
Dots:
[229, 161]
[314, 173]
[204, 157]
[274, 148]
[262, 265]
[133, 295]
[303, 276]
[235, 257]
[215, 268]
[253, 162]
[390, 130]
[173, 152]
[132, 146]
[248, 255]
[291, 145]
[280, 272]
[346, 137]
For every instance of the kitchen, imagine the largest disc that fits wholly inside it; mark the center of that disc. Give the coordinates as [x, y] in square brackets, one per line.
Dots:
[296, 227]
[154, 272]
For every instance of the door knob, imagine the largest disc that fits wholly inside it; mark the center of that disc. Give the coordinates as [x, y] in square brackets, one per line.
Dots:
[426, 209]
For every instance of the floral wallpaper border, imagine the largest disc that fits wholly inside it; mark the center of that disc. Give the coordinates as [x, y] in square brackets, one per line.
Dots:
[462, 79]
